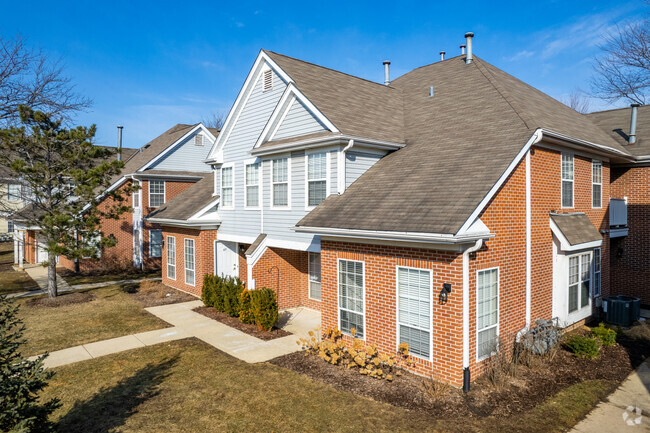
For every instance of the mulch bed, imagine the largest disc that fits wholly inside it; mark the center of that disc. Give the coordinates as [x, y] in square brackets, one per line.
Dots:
[61, 300]
[154, 293]
[531, 386]
[234, 322]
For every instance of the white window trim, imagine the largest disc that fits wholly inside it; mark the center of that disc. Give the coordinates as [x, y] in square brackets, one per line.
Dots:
[309, 280]
[338, 305]
[484, 357]
[150, 244]
[591, 279]
[193, 260]
[164, 191]
[288, 206]
[573, 181]
[328, 169]
[259, 184]
[594, 272]
[596, 183]
[397, 322]
[167, 257]
[230, 165]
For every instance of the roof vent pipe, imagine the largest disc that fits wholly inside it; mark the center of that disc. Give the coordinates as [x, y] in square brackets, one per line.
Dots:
[469, 58]
[633, 118]
[462, 50]
[119, 143]
[442, 55]
[386, 72]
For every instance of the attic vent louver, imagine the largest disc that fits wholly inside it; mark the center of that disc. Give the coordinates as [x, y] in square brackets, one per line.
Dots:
[198, 140]
[268, 80]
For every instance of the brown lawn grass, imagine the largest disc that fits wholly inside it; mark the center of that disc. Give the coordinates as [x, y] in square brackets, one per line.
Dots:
[89, 278]
[12, 281]
[188, 386]
[113, 313]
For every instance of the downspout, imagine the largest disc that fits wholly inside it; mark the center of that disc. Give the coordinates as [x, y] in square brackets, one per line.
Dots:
[528, 241]
[341, 167]
[466, 253]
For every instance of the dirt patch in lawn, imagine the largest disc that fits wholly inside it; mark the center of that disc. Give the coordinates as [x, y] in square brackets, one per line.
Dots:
[530, 387]
[154, 293]
[234, 322]
[61, 300]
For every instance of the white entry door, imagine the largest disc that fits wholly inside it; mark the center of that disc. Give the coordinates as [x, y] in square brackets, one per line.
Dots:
[227, 259]
[41, 251]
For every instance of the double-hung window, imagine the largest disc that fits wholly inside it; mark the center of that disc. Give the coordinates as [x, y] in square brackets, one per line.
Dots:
[189, 261]
[227, 199]
[414, 310]
[597, 280]
[351, 305]
[14, 192]
[596, 183]
[156, 193]
[253, 185]
[171, 257]
[579, 278]
[314, 276]
[280, 180]
[567, 180]
[10, 227]
[487, 312]
[316, 178]
[155, 243]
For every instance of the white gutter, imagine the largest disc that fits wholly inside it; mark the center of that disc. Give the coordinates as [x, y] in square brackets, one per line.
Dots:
[341, 169]
[553, 136]
[325, 140]
[466, 253]
[393, 235]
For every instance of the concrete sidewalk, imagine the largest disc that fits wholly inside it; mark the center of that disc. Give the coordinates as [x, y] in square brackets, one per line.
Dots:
[186, 323]
[626, 410]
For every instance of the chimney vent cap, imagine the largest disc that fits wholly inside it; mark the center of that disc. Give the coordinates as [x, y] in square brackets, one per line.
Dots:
[635, 104]
[469, 35]
[386, 62]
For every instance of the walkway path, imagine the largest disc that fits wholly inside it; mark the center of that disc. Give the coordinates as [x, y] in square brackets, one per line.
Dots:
[187, 324]
[626, 410]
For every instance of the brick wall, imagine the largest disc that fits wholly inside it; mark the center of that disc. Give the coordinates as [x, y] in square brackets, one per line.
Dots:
[203, 257]
[630, 258]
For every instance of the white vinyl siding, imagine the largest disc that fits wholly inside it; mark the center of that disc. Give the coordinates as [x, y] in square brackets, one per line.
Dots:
[171, 257]
[351, 304]
[597, 279]
[280, 181]
[567, 180]
[189, 261]
[487, 312]
[597, 183]
[227, 199]
[316, 178]
[252, 185]
[155, 243]
[314, 276]
[14, 192]
[267, 78]
[414, 310]
[156, 193]
[579, 279]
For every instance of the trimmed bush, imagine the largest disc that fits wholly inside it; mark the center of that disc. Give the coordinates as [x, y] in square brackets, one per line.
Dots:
[231, 291]
[245, 310]
[583, 346]
[264, 306]
[208, 292]
[606, 336]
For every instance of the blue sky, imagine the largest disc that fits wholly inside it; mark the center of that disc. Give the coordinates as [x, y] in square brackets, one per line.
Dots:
[150, 65]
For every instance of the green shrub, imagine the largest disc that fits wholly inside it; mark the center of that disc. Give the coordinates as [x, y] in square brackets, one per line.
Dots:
[583, 346]
[218, 294]
[606, 336]
[231, 291]
[265, 308]
[208, 292]
[245, 310]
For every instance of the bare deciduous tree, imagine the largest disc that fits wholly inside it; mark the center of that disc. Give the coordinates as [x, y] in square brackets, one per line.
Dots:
[577, 100]
[215, 120]
[28, 77]
[623, 71]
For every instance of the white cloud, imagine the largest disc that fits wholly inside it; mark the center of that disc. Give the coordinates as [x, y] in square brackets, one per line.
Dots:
[524, 54]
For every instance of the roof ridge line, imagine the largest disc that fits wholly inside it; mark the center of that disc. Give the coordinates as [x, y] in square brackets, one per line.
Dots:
[502, 91]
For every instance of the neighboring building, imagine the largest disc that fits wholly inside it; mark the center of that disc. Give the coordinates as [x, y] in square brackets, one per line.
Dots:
[449, 209]
[11, 197]
[163, 168]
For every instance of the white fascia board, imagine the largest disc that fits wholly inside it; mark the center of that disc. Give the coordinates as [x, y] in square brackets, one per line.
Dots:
[205, 208]
[395, 236]
[341, 139]
[241, 239]
[182, 223]
[564, 139]
[564, 243]
[174, 144]
[242, 97]
[146, 175]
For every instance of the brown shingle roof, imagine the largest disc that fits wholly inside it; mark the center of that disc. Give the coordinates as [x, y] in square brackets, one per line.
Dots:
[576, 228]
[616, 123]
[459, 143]
[189, 202]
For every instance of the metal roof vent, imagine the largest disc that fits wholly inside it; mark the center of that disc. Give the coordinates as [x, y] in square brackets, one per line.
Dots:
[386, 72]
[633, 119]
[442, 55]
[431, 92]
[462, 49]
[469, 57]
